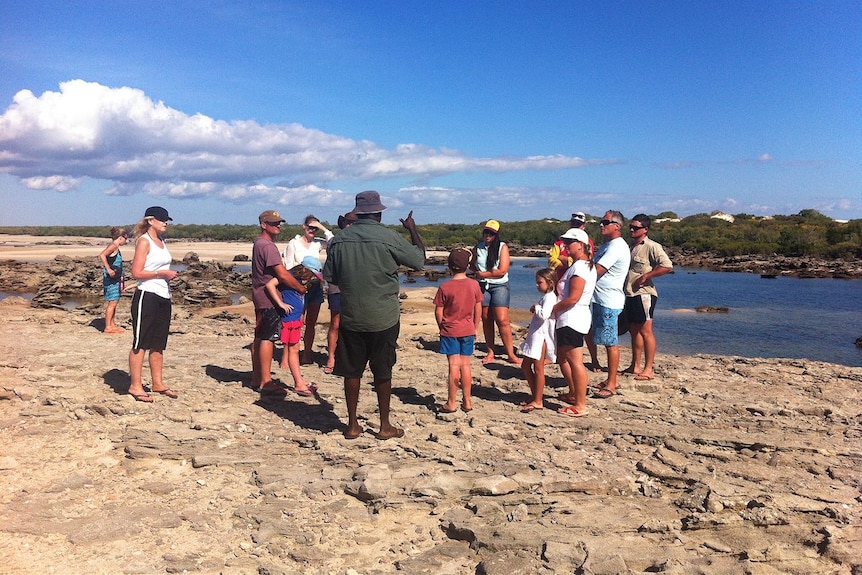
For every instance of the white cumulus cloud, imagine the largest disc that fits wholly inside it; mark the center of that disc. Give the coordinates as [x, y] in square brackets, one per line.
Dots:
[87, 130]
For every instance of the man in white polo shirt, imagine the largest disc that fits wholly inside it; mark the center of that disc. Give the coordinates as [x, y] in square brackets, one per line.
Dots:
[612, 265]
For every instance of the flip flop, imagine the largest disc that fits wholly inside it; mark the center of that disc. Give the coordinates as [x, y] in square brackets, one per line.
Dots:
[529, 408]
[167, 392]
[327, 369]
[444, 409]
[466, 409]
[604, 393]
[307, 392]
[642, 377]
[396, 434]
[571, 411]
[142, 397]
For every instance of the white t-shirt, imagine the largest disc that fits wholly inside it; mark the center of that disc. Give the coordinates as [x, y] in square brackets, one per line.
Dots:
[615, 257]
[578, 317]
[158, 259]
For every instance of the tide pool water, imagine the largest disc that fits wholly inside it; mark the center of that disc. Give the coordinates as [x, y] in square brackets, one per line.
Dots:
[785, 317]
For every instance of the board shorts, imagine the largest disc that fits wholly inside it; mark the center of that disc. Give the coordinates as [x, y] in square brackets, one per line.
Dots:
[267, 324]
[463, 345]
[640, 308]
[355, 349]
[605, 325]
[151, 321]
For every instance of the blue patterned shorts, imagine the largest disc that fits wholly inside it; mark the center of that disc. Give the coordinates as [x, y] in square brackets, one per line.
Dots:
[605, 325]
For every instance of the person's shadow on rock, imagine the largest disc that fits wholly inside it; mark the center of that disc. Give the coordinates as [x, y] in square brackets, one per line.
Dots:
[495, 394]
[118, 380]
[228, 375]
[409, 395]
[318, 416]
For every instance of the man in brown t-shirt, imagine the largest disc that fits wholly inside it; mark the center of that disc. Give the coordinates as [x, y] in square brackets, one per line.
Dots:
[266, 264]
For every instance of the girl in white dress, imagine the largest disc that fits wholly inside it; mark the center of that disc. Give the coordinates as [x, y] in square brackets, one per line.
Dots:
[539, 344]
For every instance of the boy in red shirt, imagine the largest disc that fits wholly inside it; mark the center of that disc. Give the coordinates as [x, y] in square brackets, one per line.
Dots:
[458, 310]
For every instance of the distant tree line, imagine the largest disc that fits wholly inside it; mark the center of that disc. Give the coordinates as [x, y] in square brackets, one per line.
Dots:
[808, 233]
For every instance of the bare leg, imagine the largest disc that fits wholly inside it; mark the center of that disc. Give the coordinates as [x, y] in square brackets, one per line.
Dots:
[332, 338]
[292, 353]
[649, 349]
[530, 376]
[136, 368]
[636, 331]
[466, 383]
[110, 314]
[351, 397]
[594, 352]
[488, 330]
[566, 370]
[611, 382]
[575, 357]
[311, 313]
[157, 361]
[453, 381]
[501, 318]
[384, 394]
[261, 361]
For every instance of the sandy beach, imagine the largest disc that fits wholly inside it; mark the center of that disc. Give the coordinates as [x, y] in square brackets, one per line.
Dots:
[719, 465]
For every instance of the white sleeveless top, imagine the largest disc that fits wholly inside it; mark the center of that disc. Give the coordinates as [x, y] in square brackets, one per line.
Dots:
[158, 259]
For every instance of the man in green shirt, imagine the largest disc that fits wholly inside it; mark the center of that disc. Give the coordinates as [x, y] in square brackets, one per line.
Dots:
[363, 262]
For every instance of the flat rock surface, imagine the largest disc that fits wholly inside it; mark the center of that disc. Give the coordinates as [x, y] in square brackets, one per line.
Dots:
[719, 465]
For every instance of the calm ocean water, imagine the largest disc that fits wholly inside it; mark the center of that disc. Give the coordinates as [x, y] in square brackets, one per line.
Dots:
[817, 319]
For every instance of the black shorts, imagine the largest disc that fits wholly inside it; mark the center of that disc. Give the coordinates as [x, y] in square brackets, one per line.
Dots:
[267, 324]
[355, 349]
[151, 321]
[640, 308]
[568, 337]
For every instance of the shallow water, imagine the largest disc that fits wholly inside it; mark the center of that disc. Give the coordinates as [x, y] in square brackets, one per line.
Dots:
[783, 317]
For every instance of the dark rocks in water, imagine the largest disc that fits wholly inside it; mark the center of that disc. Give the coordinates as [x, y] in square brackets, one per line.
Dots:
[801, 267]
[191, 258]
[712, 309]
[241, 258]
[859, 342]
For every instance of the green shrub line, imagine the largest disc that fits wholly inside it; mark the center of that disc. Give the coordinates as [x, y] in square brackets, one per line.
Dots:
[808, 233]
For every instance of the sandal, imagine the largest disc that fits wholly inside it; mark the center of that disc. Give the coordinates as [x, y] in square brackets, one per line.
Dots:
[142, 397]
[604, 393]
[167, 392]
[327, 369]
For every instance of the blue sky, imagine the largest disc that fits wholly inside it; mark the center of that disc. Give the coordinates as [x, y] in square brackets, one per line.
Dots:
[460, 111]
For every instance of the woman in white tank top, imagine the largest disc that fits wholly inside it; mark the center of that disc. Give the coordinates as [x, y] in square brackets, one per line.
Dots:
[151, 304]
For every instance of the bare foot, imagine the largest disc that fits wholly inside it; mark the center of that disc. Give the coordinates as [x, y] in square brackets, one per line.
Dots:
[488, 359]
[352, 432]
[389, 432]
[513, 359]
[595, 367]
[628, 371]
[114, 329]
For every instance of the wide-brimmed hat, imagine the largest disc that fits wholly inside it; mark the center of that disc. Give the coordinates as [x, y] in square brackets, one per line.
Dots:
[159, 213]
[368, 202]
[576, 234]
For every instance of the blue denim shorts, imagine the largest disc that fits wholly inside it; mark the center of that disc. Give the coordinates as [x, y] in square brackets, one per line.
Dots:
[495, 295]
[463, 345]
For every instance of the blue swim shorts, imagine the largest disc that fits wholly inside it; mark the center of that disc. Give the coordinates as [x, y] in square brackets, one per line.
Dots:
[463, 345]
[605, 325]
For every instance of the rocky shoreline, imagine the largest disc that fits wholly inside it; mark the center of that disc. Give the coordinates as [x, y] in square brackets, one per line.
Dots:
[719, 465]
[775, 265]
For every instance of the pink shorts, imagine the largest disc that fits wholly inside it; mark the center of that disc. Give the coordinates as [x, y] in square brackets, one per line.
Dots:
[291, 332]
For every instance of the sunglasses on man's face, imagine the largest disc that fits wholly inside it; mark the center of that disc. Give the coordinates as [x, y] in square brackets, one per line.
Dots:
[635, 228]
[274, 224]
[608, 222]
